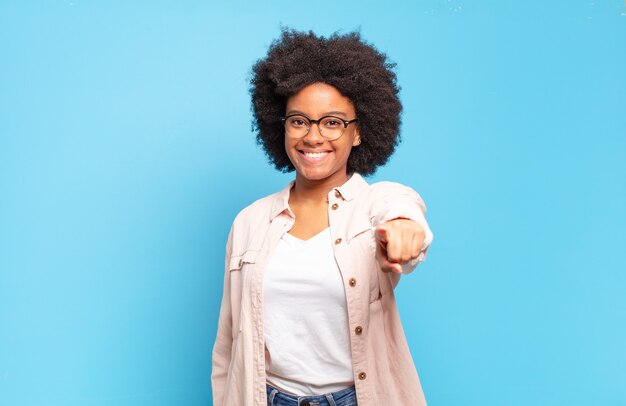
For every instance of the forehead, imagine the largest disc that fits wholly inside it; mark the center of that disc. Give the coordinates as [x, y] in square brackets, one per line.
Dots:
[319, 98]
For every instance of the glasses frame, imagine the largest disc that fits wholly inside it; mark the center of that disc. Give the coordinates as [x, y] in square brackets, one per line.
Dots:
[346, 123]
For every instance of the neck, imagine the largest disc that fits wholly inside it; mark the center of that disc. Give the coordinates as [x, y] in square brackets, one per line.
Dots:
[316, 191]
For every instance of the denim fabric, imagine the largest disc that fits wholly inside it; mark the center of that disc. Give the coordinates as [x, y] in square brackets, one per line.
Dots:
[344, 397]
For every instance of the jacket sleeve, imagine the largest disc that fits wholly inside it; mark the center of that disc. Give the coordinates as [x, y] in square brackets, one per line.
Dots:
[224, 340]
[398, 201]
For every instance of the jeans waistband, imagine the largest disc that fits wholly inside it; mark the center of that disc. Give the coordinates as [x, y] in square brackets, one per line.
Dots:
[343, 397]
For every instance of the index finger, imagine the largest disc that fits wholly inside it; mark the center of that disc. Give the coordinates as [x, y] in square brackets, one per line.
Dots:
[381, 234]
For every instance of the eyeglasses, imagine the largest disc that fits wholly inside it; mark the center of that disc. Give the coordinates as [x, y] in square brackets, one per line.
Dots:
[330, 127]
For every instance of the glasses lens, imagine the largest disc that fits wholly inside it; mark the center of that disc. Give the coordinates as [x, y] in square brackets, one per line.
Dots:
[297, 126]
[331, 127]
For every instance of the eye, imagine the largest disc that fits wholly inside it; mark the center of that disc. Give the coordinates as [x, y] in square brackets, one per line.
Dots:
[332, 122]
[297, 121]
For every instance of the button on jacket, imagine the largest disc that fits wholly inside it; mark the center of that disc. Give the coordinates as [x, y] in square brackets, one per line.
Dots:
[384, 373]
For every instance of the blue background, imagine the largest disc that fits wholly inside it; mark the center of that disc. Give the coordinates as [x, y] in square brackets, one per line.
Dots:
[126, 151]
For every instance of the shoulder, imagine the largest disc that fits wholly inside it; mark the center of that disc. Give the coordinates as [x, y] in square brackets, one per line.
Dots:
[258, 210]
[388, 191]
[384, 194]
[358, 187]
[250, 225]
[387, 187]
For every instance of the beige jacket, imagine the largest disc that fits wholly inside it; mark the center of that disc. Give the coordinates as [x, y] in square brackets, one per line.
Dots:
[384, 373]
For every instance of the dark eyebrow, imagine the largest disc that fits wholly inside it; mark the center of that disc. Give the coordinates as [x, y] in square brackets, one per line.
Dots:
[335, 113]
[290, 112]
[328, 113]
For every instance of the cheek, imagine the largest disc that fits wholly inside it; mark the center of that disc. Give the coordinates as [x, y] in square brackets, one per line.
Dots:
[348, 149]
[290, 150]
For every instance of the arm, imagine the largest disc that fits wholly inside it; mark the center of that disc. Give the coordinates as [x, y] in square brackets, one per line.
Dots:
[401, 230]
[223, 342]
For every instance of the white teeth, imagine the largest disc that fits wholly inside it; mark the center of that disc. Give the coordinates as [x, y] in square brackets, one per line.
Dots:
[315, 154]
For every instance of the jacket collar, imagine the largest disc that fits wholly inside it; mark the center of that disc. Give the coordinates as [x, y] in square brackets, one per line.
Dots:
[281, 201]
[353, 187]
[349, 190]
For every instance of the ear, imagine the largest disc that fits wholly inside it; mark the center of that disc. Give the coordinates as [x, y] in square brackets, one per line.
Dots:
[357, 138]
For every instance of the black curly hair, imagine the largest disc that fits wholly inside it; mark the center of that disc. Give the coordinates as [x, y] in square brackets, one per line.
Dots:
[357, 69]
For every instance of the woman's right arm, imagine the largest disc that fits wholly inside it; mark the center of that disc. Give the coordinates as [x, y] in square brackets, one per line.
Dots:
[223, 342]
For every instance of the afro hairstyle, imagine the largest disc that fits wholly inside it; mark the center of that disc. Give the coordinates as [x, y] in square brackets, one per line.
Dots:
[355, 68]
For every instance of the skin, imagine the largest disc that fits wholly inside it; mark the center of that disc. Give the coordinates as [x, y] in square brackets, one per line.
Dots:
[399, 240]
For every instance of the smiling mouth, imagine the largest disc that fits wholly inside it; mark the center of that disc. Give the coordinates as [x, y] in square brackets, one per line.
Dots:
[315, 156]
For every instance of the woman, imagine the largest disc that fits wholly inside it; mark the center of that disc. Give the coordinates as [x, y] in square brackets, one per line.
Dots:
[308, 314]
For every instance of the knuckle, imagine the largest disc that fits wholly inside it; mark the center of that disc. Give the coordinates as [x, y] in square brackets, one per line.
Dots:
[420, 232]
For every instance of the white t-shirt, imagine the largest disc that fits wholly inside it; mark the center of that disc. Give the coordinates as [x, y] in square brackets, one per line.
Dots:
[306, 329]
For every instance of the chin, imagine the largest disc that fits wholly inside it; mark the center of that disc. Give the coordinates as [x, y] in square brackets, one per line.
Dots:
[316, 173]
[313, 175]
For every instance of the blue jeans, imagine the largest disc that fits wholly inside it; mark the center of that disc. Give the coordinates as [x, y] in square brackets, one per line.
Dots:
[344, 397]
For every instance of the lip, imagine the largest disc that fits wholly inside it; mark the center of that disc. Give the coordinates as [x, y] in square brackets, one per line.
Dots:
[318, 156]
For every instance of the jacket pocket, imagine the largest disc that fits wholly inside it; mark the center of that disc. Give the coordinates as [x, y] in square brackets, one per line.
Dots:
[359, 225]
[237, 262]
[239, 267]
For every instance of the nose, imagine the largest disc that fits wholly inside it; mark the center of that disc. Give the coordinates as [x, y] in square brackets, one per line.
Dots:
[314, 136]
